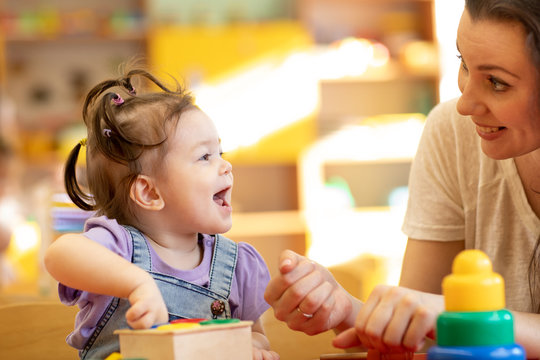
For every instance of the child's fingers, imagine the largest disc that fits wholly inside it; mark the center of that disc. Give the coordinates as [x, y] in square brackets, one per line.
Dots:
[139, 316]
[143, 322]
[261, 354]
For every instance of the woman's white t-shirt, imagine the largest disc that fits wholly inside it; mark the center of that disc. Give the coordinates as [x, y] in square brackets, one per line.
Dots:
[456, 192]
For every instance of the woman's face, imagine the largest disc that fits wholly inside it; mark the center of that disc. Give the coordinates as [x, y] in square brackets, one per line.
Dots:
[499, 86]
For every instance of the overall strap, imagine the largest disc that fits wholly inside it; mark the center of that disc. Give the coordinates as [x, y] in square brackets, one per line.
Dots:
[188, 300]
[223, 265]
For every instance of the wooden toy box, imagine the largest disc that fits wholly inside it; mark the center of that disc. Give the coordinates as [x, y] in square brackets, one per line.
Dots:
[375, 355]
[223, 341]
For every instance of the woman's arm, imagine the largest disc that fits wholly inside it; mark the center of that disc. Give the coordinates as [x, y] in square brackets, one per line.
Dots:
[78, 262]
[527, 333]
[426, 263]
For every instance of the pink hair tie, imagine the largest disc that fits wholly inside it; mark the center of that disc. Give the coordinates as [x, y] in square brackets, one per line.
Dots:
[117, 99]
[107, 133]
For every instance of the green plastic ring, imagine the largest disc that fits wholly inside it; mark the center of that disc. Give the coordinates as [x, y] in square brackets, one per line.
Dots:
[481, 328]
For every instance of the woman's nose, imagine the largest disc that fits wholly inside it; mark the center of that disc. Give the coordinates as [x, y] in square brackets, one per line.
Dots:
[470, 102]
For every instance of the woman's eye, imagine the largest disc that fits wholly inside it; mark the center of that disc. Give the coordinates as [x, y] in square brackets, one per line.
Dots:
[463, 65]
[497, 84]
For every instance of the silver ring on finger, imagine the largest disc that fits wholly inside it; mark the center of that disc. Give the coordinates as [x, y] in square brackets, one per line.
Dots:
[307, 316]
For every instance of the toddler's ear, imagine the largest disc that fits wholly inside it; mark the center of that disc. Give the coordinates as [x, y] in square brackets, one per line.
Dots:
[145, 194]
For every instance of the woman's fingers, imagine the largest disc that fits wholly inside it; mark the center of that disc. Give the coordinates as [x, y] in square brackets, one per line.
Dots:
[346, 339]
[318, 295]
[393, 319]
[288, 261]
[368, 322]
[289, 274]
[422, 323]
[303, 280]
[307, 297]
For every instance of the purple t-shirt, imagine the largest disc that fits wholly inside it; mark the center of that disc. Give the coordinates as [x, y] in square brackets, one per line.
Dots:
[246, 298]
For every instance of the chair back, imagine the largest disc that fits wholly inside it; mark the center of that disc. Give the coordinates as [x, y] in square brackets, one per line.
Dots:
[36, 330]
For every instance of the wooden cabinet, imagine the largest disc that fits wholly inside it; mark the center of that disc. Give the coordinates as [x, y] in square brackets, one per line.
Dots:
[331, 20]
[408, 83]
[54, 51]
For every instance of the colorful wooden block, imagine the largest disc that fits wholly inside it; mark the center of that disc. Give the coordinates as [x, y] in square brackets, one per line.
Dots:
[208, 340]
[375, 355]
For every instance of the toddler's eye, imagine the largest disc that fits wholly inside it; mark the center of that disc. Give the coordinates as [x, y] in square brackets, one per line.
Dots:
[205, 157]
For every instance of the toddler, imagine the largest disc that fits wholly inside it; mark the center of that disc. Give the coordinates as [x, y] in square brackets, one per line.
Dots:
[162, 194]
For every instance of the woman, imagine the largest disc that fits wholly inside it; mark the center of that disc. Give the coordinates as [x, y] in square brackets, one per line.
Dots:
[475, 183]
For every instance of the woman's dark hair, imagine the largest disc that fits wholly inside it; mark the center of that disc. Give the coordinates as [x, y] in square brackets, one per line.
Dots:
[127, 135]
[534, 271]
[526, 12]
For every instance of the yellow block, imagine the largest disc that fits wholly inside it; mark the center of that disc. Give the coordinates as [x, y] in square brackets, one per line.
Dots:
[473, 285]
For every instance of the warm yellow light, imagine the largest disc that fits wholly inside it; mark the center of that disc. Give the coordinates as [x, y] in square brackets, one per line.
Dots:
[276, 92]
[23, 258]
[381, 55]
[447, 15]
[338, 233]
[421, 56]
[26, 237]
[354, 56]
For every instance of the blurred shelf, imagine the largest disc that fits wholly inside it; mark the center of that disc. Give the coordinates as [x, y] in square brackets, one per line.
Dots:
[21, 39]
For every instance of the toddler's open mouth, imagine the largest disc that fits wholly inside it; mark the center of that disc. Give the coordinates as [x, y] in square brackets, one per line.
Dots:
[219, 197]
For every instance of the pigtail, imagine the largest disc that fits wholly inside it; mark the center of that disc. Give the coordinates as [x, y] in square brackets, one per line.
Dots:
[111, 138]
[153, 79]
[95, 93]
[122, 126]
[74, 191]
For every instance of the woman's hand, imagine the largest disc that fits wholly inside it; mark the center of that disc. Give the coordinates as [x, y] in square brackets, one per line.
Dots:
[393, 319]
[306, 296]
[147, 306]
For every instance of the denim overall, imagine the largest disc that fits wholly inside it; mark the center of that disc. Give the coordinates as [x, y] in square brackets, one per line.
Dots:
[183, 299]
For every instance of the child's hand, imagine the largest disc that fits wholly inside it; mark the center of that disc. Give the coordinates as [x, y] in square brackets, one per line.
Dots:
[261, 354]
[147, 306]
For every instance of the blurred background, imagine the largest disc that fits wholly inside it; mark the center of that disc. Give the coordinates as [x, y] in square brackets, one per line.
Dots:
[320, 105]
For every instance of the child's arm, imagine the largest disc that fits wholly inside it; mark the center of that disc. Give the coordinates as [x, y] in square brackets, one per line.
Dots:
[80, 263]
[261, 345]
